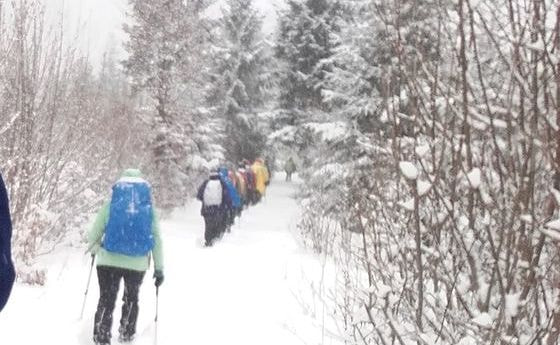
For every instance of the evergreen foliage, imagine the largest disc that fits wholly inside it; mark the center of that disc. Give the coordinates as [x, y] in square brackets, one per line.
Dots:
[241, 79]
[168, 42]
[303, 45]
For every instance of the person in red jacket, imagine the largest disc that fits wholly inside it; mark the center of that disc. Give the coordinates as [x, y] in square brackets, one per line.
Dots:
[251, 184]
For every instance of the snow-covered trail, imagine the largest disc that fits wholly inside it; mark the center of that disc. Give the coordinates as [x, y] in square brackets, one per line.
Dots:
[244, 290]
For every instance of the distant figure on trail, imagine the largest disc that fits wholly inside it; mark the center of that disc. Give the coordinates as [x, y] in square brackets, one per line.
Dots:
[289, 168]
[215, 205]
[7, 271]
[123, 237]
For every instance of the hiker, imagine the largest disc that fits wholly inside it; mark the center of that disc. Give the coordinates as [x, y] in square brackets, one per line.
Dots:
[123, 237]
[215, 205]
[7, 272]
[242, 184]
[235, 203]
[234, 178]
[261, 178]
[251, 187]
[289, 168]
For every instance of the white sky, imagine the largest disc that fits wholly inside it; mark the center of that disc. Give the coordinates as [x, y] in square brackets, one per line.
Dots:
[101, 21]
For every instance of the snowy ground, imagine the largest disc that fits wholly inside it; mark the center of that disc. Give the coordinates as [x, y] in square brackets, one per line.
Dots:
[245, 290]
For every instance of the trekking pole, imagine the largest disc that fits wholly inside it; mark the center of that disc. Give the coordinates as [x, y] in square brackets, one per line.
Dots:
[157, 312]
[87, 287]
[157, 304]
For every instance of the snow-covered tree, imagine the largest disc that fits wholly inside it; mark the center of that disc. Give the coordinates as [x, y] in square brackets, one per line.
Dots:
[241, 79]
[167, 42]
[442, 215]
[64, 132]
[304, 49]
[303, 45]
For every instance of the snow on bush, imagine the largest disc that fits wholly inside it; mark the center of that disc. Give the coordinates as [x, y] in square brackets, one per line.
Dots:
[408, 170]
[423, 187]
[329, 131]
[465, 250]
[474, 178]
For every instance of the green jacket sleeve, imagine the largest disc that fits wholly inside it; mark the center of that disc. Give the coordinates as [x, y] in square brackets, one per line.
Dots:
[97, 230]
[157, 252]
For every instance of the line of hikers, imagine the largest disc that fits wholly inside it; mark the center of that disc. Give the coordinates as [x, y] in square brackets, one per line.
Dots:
[125, 237]
[226, 193]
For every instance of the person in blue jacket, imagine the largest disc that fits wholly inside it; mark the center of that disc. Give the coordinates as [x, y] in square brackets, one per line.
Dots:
[233, 196]
[7, 271]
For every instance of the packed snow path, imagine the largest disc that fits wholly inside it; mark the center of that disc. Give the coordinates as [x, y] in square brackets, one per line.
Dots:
[244, 290]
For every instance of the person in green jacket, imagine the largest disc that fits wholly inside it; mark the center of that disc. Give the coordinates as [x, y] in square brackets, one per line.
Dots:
[124, 236]
[290, 168]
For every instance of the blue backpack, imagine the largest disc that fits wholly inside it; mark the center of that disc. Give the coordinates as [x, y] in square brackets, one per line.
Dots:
[129, 229]
[233, 195]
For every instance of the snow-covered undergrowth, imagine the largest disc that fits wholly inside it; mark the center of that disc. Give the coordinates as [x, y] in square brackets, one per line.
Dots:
[251, 288]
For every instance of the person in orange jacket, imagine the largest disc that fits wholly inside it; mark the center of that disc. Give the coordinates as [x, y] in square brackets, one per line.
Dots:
[262, 177]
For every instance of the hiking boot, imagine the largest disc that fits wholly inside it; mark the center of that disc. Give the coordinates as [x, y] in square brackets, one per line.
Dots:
[98, 342]
[124, 338]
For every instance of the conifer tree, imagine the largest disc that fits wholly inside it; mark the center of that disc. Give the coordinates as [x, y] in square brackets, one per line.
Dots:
[166, 47]
[241, 79]
[303, 45]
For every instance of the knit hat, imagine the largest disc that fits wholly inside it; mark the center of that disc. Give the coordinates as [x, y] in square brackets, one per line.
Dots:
[131, 172]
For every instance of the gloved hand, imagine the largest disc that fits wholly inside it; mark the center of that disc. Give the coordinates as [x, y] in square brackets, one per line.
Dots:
[158, 276]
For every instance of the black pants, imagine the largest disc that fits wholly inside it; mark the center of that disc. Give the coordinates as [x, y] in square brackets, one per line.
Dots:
[288, 176]
[214, 226]
[7, 277]
[252, 196]
[109, 281]
[230, 219]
